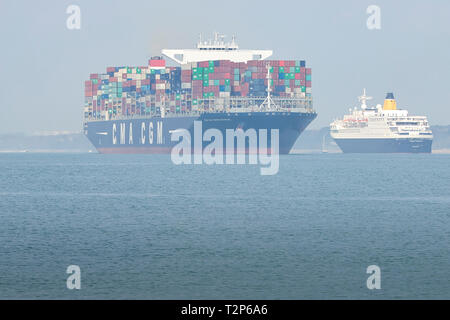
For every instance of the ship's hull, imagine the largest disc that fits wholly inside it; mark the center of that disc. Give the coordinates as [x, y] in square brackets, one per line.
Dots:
[153, 135]
[385, 145]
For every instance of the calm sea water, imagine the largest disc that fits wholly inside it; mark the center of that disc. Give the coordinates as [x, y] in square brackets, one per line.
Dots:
[140, 227]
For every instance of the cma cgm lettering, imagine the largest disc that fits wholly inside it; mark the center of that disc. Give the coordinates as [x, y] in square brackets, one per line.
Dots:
[146, 130]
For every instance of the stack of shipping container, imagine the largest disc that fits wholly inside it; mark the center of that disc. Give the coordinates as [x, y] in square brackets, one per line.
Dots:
[140, 91]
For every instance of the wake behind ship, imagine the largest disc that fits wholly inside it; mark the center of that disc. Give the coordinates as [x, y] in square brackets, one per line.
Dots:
[136, 109]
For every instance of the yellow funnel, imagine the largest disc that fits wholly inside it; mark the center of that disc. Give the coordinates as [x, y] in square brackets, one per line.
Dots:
[389, 102]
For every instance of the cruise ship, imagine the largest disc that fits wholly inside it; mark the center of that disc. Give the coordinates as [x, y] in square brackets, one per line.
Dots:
[381, 129]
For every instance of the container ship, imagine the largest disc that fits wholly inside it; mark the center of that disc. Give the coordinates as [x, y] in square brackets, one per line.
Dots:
[381, 129]
[136, 109]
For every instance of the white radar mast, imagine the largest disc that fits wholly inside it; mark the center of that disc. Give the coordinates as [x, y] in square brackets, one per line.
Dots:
[363, 99]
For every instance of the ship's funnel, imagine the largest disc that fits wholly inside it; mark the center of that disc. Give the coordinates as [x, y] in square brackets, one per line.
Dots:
[389, 102]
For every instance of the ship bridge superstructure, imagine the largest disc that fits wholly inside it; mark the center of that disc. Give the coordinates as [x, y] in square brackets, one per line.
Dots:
[215, 49]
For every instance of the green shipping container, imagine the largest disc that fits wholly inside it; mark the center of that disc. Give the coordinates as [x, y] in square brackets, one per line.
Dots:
[205, 94]
[292, 76]
[303, 88]
[129, 70]
[194, 102]
[297, 69]
[211, 94]
[308, 77]
[138, 70]
[211, 69]
[205, 83]
[216, 82]
[205, 76]
[227, 81]
[178, 97]
[211, 63]
[281, 70]
[94, 81]
[194, 70]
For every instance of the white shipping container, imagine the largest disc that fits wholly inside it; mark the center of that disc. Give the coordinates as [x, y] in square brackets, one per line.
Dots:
[308, 90]
[186, 85]
[160, 86]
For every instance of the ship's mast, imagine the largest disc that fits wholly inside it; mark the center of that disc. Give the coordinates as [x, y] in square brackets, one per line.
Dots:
[363, 99]
[268, 100]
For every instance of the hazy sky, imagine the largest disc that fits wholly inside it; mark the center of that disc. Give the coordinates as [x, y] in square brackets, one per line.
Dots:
[43, 64]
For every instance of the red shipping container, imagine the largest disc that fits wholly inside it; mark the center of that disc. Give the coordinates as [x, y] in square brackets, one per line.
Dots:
[308, 84]
[113, 79]
[157, 63]
[93, 76]
[110, 69]
[281, 63]
[308, 70]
